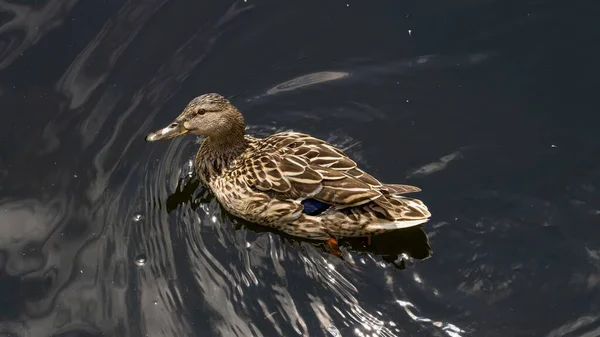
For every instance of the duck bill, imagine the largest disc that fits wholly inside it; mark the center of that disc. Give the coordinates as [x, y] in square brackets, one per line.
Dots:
[168, 132]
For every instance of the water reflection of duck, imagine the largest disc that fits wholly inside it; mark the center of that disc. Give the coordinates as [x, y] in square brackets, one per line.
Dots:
[289, 181]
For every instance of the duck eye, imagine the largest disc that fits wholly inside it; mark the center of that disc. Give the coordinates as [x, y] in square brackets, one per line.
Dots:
[201, 111]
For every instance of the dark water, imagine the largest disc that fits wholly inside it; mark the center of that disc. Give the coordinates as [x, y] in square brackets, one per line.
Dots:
[490, 106]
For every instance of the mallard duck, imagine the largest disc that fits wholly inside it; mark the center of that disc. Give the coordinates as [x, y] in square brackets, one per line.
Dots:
[290, 181]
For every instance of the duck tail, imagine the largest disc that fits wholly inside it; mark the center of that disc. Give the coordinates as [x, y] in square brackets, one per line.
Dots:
[391, 225]
[399, 212]
[400, 189]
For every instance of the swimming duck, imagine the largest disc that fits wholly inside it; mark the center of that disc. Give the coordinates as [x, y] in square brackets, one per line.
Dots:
[290, 181]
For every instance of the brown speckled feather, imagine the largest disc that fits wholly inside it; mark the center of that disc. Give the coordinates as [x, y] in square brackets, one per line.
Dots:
[299, 166]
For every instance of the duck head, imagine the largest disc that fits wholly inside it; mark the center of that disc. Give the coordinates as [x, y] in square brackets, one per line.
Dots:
[210, 115]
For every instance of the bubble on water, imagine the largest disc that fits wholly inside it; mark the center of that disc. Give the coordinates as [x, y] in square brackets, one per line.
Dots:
[140, 260]
[189, 168]
[137, 217]
[333, 331]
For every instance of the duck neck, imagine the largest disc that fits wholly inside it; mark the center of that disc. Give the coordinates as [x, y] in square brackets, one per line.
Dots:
[219, 151]
[229, 145]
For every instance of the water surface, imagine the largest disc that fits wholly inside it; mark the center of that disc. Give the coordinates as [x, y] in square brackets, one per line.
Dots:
[488, 106]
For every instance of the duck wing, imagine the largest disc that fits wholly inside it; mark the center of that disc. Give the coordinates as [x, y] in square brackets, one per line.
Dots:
[298, 166]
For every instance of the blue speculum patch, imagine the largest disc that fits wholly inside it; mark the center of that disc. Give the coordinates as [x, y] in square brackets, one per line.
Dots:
[314, 207]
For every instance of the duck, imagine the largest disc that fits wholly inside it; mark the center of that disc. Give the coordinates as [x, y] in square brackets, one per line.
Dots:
[290, 181]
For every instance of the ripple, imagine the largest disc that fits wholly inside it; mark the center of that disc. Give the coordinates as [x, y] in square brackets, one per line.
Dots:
[306, 80]
[28, 24]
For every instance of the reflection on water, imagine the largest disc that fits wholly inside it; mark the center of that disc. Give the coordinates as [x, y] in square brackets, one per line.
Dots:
[306, 80]
[23, 25]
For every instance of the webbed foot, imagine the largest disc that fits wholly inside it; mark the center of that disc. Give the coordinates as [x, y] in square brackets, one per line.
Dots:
[334, 247]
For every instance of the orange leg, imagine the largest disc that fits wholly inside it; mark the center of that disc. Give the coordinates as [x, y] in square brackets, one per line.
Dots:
[369, 240]
[334, 247]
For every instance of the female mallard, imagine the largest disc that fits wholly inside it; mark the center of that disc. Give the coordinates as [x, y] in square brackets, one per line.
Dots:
[290, 181]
